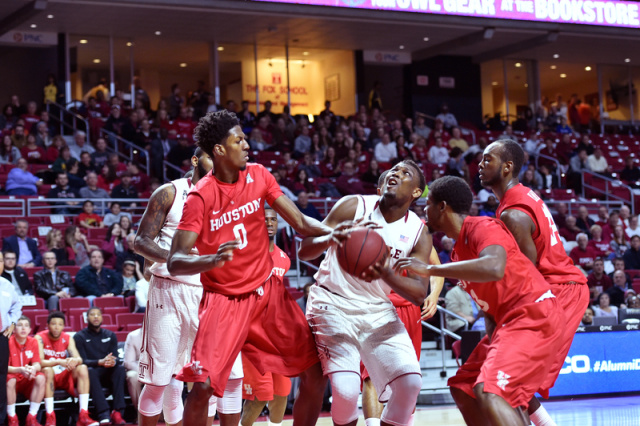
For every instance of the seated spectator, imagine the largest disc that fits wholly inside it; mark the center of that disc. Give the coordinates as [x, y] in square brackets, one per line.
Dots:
[126, 225]
[419, 150]
[421, 128]
[508, 133]
[587, 318]
[633, 228]
[108, 178]
[85, 166]
[119, 125]
[598, 163]
[577, 165]
[78, 248]
[349, 183]
[302, 183]
[142, 294]
[96, 281]
[63, 368]
[617, 291]
[619, 243]
[19, 136]
[125, 190]
[132, 347]
[560, 217]
[80, 145]
[88, 219]
[91, 191]
[115, 214]
[9, 154]
[489, 207]
[32, 152]
[329, 166]
[630, 173]
[549, 150]
[286, 191]
[601, 244]
[564, 150]
[306, 207]
[447, 247]
[139, 180]
[16, 275]
[583, 221]
[632, 301]
[604, 308]
[529, 180]
[51, 283]
[25, 375]
[372, 174]
[570, 230]
[60, 164]
[597, 280]
[100, 156]
[309, 166]
[98, 348]
[448, 119]
[25, 248]
[457, 140]
[130, 277]
[302, 143]
[613, 220]
[115, 244]
[438, 154]
[632, 255]
[460, 302]
[625, 214]
[457, 165]
[618, 265]
[20, 181]
[62, 189]
[55, 243]
[563, 127]
[130, 254]
[583, 255]
[386, 151]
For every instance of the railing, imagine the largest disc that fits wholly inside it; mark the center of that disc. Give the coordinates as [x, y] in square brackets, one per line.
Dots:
[13, 207]
[555, 161]
[133, 149]
[442, 331]
[168, 166]
[67, 120]
[42, 206]
[609, 185]
[462, 129]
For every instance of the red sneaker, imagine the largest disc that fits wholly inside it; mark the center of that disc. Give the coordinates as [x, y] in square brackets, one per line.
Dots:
[31, 420]
[85, 420]
[116, 418]
[51, 419]
[12, 420]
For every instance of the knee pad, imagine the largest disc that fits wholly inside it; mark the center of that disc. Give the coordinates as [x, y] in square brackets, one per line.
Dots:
[231, 402]
[345, 387]
[405, 390]
[150, 403]
[213, 403]
[172, 406]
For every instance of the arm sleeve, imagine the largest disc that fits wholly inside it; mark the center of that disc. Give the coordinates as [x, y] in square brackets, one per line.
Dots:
[117, 283]
[37, 257]
[273, 189]
[82, 350]
[193, 213]
[16, 307]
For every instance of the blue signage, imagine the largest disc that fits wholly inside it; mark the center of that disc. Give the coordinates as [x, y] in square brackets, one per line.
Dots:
[607, 362]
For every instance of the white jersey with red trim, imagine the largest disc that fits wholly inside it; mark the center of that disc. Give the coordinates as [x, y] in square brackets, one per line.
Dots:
[400, 236]
[182, 186]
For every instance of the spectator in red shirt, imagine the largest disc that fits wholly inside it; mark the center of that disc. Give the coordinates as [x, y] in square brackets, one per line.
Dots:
[184, 124]
[32, 152]
[265, 129]
[597, 280]
[612, 222]
[570, 230]
[550, 151]
[53, 152]
[31, 117]
[583, 255]
[138, 179]
[601, 244]
[88, 219]
[114, 244]
[108, 178]
[349, 183]
[564, 150]
[329, 166]
[420, 151]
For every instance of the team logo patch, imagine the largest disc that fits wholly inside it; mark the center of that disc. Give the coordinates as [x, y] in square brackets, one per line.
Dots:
[502, 379]
[196, 367]
[249, 180]
[248, 389]
[29, 354]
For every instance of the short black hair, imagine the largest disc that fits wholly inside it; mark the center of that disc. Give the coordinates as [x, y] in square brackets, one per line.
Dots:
[382, 178]
[213, 129]
[56, 314]
[422, 181]
[454, 191]
[512, 151]
[93, 308]
[198, 152]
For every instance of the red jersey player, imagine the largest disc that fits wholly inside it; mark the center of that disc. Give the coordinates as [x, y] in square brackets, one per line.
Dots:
[509, 289]
[535, 231]
[62, 366]
[24, 375]
[242, 308]
[258, 389]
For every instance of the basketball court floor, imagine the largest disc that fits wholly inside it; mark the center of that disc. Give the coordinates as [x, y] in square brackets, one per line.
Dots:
[611, 411]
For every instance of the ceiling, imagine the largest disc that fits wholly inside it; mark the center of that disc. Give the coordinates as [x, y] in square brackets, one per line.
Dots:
[188, 27]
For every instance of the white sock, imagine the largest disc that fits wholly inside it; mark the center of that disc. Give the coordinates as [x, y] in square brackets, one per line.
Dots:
[83, 398]
[413, 415]
[48, 405]
[372, 421]
[541, 418]
[275, 424]
[11, 410]
[34, 407]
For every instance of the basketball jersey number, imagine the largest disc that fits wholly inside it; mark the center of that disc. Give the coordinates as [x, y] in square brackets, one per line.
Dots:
[555, 236]
[241, 234]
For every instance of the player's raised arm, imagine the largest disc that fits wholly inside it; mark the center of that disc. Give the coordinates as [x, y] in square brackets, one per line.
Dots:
[152, 221]
[180, 262]
[339, 219]
[303, 224]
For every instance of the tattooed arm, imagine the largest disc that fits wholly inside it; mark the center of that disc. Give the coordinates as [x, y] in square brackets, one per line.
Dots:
[154, 216]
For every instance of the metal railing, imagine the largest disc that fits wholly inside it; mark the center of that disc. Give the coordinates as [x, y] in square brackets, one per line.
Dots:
[10, 206]
[609, 184]
[462, 129]
[442, 331]
[166, 166]
[131, 149]
[42, 206]
[67, 120]
[556, 162]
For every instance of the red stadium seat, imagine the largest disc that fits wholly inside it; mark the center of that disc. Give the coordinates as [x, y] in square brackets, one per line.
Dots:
[125, 319]
[32, 270]
[32, 314]
[71, 269]
[130, 302]
[74, 302]
[97, 233]
[115, 310]
[633, 273]
[121, 335]
[111, 327]
[104, 302]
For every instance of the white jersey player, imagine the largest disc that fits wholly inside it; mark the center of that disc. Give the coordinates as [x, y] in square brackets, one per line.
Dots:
[353, 319]
[171, 317]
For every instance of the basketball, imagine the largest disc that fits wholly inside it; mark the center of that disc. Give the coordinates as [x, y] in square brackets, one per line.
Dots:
[365, 247]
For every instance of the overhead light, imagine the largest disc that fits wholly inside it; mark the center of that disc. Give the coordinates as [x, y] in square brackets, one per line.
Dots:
[627, 60]
[553, 67]
[426, 39]
[526, 85]
[556, 56]
[563, 75]
[518, 64]
[34, 26]
[183, 65]
[311, 118]
[83, 41]
[305, 53]
[158, 33]
[495, 83]
[220, 48]
[50, 16]
[129, 44]
[401, 47]
[587, 68]
[96, 61]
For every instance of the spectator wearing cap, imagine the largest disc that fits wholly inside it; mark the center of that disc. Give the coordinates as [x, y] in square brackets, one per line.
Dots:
[51, 283]
[632, 256]
[80, 145]
[96, 281]
[448, 119]
[125, 190]
[25, 248]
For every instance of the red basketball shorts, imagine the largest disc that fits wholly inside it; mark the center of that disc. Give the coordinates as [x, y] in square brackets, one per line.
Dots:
[518, 360]
[410, 317]
[64, 381]
[24, 386]
[262, 387]
[266, 324]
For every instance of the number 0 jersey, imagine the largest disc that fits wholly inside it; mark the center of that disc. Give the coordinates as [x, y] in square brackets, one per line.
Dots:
[219, 212]
[552, 262]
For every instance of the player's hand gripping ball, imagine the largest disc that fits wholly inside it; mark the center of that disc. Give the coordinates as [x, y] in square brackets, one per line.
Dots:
[363, 248]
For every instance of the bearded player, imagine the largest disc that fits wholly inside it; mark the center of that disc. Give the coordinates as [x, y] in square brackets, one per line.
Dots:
[260, 389]
[171, 318]
[531, 223]
[353, 319]
[242, 308]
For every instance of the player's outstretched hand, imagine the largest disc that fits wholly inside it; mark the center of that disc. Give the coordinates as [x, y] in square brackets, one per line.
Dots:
[412, 265]
[430, 307]
[225, 253]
